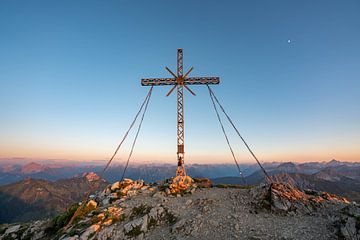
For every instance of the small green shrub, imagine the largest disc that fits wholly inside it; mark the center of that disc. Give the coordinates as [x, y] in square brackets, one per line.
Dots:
[170, 218]
[8, 237]
[3, 229]
[28, 236]
[136, 231]
[73, 232]
[140, 210]
[95, 219]
[357, 225]
[152, 222]
[119, 219]
[61, 220]
[91, 235]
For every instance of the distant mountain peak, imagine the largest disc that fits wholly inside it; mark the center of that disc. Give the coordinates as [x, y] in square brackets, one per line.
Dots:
[32, 168]
[287, 164]
[288, 167]
[334, 162]
[91, 176]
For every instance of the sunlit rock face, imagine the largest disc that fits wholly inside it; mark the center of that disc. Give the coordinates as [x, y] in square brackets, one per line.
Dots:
[181, 184]
[285, 198]
[91, 176]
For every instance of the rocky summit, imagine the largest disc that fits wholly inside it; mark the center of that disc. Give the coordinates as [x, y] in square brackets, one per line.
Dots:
[135, 210]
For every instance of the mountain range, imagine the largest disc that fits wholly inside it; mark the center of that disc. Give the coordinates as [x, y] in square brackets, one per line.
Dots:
[38, 198]
[34, 191]
[10, 173]
[334, 177]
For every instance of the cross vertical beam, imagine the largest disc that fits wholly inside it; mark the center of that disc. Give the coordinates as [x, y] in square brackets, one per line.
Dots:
[180, 81]
[180, 171]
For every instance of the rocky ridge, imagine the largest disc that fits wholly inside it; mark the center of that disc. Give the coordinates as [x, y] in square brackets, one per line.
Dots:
[135, 210]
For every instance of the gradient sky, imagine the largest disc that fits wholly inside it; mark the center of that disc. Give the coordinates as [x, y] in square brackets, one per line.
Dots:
[70, 78]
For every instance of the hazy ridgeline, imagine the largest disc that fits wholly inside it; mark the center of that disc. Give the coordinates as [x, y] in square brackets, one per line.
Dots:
[10, 173]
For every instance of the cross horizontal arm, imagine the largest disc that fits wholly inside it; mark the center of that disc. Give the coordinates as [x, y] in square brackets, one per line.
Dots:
[201, 80]
[157, 81]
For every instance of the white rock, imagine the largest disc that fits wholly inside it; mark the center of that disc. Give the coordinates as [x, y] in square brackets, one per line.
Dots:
[144, 226]
[105, 201]
[156, 213]
[12, 229]
[133, 224]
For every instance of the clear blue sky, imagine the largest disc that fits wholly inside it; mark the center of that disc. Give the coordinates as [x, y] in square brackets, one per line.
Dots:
[70, 78]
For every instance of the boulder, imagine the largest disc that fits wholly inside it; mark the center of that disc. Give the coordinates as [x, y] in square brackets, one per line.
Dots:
[157, 213]
[91, 204]
[203, 182]
[91, 176]
[347, 222]
[105, 201]
[136, 223]
[285, 198]
[12, 229]
[115, 186]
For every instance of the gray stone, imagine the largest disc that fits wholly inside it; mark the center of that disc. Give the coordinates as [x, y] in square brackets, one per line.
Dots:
[12, 229]
[144, 226]
[133, 224]
[156, 213]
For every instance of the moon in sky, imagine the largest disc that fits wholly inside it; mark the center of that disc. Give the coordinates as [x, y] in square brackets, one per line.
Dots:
[289, 40]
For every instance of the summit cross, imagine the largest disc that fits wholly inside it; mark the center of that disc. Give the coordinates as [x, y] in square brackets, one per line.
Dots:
[180, 81]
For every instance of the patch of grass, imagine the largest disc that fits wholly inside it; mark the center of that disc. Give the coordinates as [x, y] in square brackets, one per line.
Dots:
[120, 194]
[8, 237]
[60, 221]
[21, 231]
[238, 186]
[184, 192]
[106, 214]
[83, 225]
[28, 236]
[95, 219]
[170, 218]
[112, 200]
[119, 219]
[91, 235]
[2, 229]
[152, 222]
[357, 225]
[140, 210]
[136, 231]
[96, 212]
[73, 232]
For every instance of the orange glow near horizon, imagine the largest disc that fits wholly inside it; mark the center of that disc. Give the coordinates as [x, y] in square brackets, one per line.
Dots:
[58, 150]
[171, 158]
